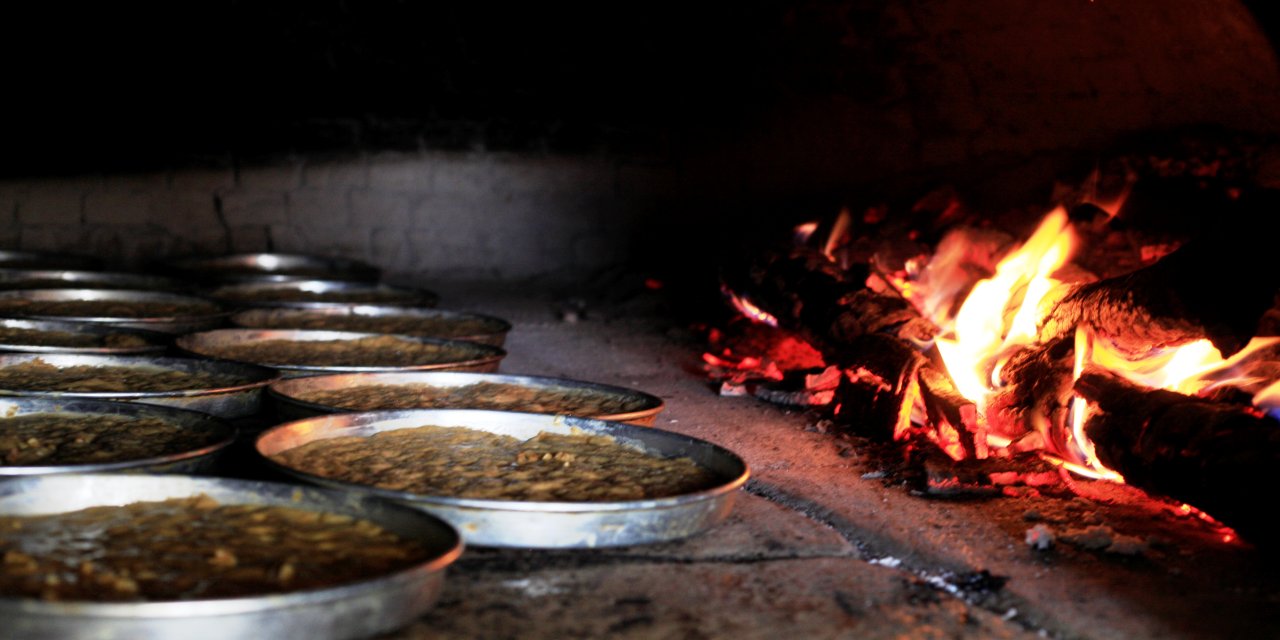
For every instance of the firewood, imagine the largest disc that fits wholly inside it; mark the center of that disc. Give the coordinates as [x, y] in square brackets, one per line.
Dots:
[947, 409]
[878, 393]
[831, 307]
[1212, 288]
[1034, 392]
[1210, 455]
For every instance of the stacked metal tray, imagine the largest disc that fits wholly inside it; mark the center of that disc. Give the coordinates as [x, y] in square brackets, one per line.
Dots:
[79, 279]
[319, 294]
[352, 610]
[271, 267]
[510, 523]
[289, 396]
[428, 323]
[463, 356]
[11, 305]
[215, 436]
[235, 401]
[42, 336]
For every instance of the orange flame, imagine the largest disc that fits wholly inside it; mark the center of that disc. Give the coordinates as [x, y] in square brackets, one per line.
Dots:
[1193, 368]
[1086, 461]
[749, 309]
[1269, 398]
[1001, 315]
[1002, 312]
[805, 231]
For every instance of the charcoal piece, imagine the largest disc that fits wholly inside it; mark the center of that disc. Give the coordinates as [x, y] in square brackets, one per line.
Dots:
[944, 478]
[877, 393]
[831, 307]
[800, 388]
[1209, 455]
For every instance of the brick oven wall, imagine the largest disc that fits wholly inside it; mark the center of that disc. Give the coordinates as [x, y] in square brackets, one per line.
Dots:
[461, 215]
[556, 143]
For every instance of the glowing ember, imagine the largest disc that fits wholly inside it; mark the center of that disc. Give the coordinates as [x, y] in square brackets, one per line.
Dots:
[747, 363]
[1225, 533]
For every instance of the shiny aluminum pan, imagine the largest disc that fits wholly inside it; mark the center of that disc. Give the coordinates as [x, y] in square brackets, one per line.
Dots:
[164, 324]
[354, 610]
[364, 318]
[272, 267]
[71, 279]
[152, 341]
[236, 401]
[42, 260]
[319, 294]
[286, 395]
[469, 355]
[512, 523]
[198, 460]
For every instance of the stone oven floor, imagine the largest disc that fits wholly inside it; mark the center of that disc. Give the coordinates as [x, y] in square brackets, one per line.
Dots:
[819, 546]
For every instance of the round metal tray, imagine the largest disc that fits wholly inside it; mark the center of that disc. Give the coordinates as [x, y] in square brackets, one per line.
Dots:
[510, 523]
[153, 341]
[470, 356]
[364, 318]
[286, 395]
[319, 294]
[353, 610]
[272, 267]
[62, 279]
[237, 401]
[165, 324]
[198, 460]
[42, 260]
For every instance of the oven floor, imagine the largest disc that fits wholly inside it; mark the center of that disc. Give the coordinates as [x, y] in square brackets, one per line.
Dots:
[814, 549]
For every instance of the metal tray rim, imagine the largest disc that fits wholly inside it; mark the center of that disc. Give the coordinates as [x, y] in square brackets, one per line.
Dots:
[225, 606]
[83, 277]
[270, 374]
[224, 264]
[373, 310]
[517, 505]
[658, 404]
[145, 295]
[171, 609]
[495, 354]
[411, 297]
[156, 340]
[228, 431]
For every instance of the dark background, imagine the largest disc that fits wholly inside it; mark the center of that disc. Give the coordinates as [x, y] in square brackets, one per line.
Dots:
[107, 86]
[133, 88]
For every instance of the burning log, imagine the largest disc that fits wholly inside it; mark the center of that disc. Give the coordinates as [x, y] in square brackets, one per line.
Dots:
[807, 291]
[1207, 454]
[951, 413]
[875, 339]
[1210, 289]
[880, 390]
[1036, 387]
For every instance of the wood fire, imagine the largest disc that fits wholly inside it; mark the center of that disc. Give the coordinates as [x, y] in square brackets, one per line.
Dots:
[979, 346]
